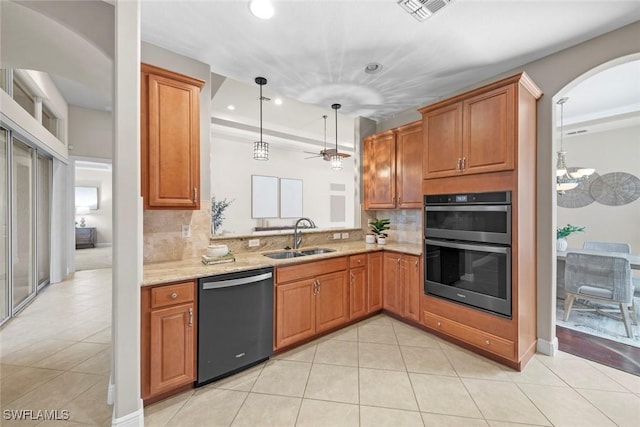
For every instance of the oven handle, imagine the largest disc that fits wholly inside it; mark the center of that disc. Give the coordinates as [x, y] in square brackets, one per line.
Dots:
[469, 208]
[470, 247]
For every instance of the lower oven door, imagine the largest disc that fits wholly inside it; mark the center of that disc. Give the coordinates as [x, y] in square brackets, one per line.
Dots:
[477, 275]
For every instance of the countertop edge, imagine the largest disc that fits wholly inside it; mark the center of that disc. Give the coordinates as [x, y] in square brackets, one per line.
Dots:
[190, 269]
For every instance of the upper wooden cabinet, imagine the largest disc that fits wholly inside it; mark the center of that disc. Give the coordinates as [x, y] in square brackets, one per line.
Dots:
[393, 168]
[170, 139]
[476, 132]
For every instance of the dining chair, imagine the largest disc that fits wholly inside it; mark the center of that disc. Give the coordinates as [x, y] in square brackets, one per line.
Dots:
[607, 246]
[604, 279]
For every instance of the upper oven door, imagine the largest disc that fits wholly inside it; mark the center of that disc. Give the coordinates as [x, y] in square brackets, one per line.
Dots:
[479, 223]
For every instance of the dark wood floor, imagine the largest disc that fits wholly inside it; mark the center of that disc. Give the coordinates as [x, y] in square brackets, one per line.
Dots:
[610, 353]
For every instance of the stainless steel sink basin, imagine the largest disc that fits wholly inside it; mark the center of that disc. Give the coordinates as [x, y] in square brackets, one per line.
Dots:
[284, 255]
[316, 251]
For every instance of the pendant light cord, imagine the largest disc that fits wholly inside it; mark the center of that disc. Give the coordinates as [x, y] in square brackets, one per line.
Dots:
[261, 99]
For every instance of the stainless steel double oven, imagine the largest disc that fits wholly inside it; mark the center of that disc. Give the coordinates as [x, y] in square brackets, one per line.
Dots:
[467, 242]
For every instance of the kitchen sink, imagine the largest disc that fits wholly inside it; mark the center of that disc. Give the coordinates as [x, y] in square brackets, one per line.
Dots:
[284, 255]
[316, 251]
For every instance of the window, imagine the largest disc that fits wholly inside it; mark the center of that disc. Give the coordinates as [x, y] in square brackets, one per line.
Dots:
[49, 121]
[3, 80]
[23, 96]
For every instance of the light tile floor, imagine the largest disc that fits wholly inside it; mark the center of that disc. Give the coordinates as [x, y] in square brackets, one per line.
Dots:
[379, 372]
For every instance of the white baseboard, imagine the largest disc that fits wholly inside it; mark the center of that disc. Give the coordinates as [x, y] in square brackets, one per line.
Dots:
[549, 348]
[111, 392]
[134, 419]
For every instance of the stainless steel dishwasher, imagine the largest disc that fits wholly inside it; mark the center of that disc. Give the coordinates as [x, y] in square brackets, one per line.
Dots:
[235, 322]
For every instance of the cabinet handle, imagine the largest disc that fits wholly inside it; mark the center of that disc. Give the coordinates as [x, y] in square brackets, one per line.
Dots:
[352, 277]
[195, 195]
[398, 199]
[190, 316]
[318, 286]
[458, 167]
[174, 295]
[464, 161]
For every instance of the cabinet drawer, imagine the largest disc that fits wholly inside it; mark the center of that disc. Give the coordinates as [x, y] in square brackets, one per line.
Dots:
[177, 293]
[480, 339]
[310, 269]
[358, 260]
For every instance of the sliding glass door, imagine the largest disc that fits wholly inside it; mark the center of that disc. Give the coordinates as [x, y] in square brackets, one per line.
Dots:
[43, 217]
[4, 225]
[23, 224]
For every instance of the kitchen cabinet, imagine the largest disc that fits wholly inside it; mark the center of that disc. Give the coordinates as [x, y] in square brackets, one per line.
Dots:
[375, 278]
[170, 139]
[393, 168]
[310, 298]
[471, 134]
[402, 285]
[379, 166]
[358, 284]
[168, 338]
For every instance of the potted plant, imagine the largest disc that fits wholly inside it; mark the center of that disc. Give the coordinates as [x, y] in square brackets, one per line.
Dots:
[217, 213]
[563, 233]
[378, 227]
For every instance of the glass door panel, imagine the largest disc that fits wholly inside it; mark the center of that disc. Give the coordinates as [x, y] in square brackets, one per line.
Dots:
[4, 225]
[22, 236]
[43, 215]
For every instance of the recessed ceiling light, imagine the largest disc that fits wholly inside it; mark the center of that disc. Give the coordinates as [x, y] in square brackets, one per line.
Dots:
[278, 101]
[262, 9]
[230, 107]
[372, 68]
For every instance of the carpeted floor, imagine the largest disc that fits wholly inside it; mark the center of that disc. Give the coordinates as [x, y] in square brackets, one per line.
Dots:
[93, 258]
[593, 323]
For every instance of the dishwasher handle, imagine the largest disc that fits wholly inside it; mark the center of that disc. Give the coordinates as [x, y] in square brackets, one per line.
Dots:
[236, 282]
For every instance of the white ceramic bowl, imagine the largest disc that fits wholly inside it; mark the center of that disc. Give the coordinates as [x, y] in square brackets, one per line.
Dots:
[217, 250]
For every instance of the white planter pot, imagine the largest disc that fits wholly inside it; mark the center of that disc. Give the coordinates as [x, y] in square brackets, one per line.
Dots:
[561, 244]
[382, 240]
[370, 238]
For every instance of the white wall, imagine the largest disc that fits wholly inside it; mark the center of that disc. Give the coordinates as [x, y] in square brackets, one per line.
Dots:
[602, 222]
[90, 133]
[233, 165]
[100, 218]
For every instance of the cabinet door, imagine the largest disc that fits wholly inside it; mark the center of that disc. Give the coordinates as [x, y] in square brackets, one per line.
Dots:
[442, 142]
[489, 131]
[374, 277]
[409, 166]
[172, 358]
[357, 292]
[412, 287]
[392, 288]
[379, 155]
[332, 300]
[295, 312]
[173, 144]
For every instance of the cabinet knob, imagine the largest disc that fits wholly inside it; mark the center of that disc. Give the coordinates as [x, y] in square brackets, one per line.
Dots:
[359, 261]
[487, 342]
[174, 295]
[439, 324]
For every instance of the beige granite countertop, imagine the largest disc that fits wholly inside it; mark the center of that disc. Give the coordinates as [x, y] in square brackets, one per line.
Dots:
[172, 271]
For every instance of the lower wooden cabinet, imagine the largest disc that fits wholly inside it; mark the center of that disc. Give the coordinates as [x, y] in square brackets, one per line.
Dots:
[402, 285]
[168, 339]
[358, 284]
[374, 278]
[310, 298]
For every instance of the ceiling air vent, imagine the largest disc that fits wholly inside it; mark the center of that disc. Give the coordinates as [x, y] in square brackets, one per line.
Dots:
[422, 9]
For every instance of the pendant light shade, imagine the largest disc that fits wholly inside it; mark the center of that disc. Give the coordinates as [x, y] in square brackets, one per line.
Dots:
[567, 178]
[261, 148]
[336, 158]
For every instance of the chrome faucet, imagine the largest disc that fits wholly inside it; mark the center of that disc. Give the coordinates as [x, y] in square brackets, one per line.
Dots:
[297, 237]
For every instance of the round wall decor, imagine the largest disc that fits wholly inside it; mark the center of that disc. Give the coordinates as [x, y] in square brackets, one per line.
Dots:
[580, 196]
[616, 189]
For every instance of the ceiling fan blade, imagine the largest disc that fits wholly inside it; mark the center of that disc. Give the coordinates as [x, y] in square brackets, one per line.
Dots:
[313, 157]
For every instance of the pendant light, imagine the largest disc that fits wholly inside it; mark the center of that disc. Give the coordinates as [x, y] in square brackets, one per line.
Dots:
[261, 148]
[336, 158]
[566, 179]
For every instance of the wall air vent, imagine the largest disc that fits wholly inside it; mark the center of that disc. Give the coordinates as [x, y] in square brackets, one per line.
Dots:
[422, 9]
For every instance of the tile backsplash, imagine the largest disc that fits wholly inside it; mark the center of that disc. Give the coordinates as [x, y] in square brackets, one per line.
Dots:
[406, 224]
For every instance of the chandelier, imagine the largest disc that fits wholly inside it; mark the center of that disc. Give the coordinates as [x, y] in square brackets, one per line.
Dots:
[261, 148]
[567, 178]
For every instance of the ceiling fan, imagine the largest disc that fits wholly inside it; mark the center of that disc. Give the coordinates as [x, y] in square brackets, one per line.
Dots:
[327, 153]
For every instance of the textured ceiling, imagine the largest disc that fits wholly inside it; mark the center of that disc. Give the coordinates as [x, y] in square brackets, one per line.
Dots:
[315, 51]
